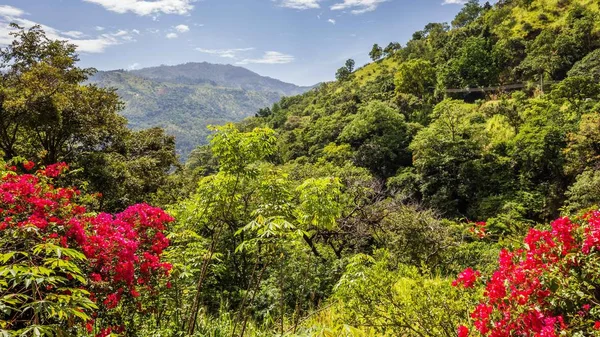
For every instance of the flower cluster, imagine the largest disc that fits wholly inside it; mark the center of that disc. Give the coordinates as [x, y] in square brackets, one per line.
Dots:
[467, 278]
[123, 251]
[478, 229]
[546, 288]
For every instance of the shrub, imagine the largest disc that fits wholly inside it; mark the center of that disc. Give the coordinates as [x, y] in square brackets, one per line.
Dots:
[64, 270]
[550, 287]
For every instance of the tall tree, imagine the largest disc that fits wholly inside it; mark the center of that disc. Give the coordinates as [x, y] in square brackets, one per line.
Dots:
[47, 113]
[344, 72]
[376, 52]
[467, 14]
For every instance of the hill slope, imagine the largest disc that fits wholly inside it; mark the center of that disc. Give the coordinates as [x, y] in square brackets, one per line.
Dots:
[388, 115]
[184, 99]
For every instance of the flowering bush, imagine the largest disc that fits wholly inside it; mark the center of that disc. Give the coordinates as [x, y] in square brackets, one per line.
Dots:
[551, 287]
[64, 269]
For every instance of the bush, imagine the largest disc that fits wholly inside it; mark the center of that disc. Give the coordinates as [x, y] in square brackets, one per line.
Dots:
[64, 271]
[550, 287]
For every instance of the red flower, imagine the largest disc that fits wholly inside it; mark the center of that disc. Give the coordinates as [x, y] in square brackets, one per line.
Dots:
[96, 277]
[28, 165]
[597, 325]
[463, 331]
[54, 170]
[89, 326]
[467, 278]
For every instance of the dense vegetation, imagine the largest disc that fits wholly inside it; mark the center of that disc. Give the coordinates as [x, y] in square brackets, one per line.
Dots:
[449, 188]
[185, 99]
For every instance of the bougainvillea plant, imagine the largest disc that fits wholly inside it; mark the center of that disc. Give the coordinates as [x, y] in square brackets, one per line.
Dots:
[66, 271]
[551, 287]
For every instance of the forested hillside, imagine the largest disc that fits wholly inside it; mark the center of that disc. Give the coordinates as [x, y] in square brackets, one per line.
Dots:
[449, 188]
[185, 99]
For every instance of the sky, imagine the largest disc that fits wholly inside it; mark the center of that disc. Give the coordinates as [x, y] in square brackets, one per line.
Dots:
[297, 41]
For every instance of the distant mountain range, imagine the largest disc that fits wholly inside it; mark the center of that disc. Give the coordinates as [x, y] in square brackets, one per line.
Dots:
[185, 98]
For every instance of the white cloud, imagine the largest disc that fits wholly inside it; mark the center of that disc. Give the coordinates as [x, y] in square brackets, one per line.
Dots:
[182, 28]
[454, 2]
[74, 34]
[84, 44]
[359, 6]
[300, 4]
[133, 66]
[227, 53]
[171, 36]
[146, 7]
[100, 28]
[332, 21]
[270, 57]
[10, 11]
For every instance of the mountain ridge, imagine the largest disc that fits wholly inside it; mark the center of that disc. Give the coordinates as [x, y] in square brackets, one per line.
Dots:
[230, 76]
[184, 99]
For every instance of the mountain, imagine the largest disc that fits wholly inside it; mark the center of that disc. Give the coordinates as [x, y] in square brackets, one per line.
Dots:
[223, 75]
[184, 99]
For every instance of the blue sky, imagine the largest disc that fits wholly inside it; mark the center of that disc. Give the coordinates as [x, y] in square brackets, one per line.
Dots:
[297, 41]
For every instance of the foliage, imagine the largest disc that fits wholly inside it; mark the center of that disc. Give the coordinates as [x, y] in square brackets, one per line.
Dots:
[67, 271]
[397, 300]
[548, 287]
[343, 211]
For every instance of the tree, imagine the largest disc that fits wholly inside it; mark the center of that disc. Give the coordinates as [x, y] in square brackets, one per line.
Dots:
[470, 11]
[473, 66]
[376, 52]
[47, 114]
[132, 170]
[345, 72]
[588, 66]
[392, 48]
[577, 90]
[380, 136]
[543, 59]
[416, 77]
[445, 156]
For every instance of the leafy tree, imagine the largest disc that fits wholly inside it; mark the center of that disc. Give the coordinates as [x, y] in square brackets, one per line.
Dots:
[344, 72]
[584, 192]
[588, 66]
[395, 298]
[416, 77]
[264, 112]
[131, 171]
[576, 90]
[444, 156]
[470, 11]
[474, 66]
[46, 112]
[583, 149]
[380, 136]
[391, 48]
[376, 52]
